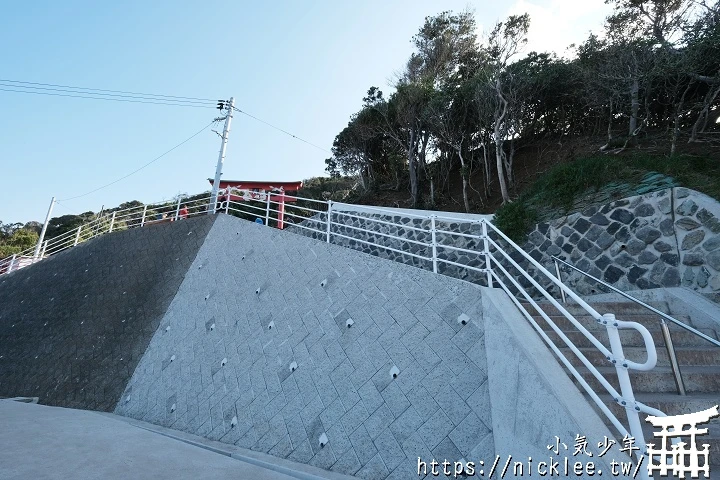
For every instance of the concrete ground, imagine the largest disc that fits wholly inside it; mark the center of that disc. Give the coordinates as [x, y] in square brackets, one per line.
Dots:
[42, 442]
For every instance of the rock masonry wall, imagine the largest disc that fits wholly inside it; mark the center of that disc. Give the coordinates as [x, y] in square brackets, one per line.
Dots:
[666, 238]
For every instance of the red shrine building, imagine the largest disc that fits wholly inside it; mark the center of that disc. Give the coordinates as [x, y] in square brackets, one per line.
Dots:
[258, 191]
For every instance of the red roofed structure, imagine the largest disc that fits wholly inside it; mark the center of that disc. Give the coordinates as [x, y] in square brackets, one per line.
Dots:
[258, 190]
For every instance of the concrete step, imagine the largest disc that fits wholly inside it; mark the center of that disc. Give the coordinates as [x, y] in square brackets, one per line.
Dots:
[649, 321]
[687, 356]
[660, 380]
[632, 338]
[618, 308]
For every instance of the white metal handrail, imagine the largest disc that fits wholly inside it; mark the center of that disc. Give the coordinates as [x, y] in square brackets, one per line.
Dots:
[132, 217]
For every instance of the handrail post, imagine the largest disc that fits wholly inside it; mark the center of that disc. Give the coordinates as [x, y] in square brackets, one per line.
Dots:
[112, 222]
[628, 397]
[45, 244]
[267, 210]
[177, 209]
[673, 358]
[142, 221]
[77, 236]
[227, 201]
[486, 248]
[12, 263]
[434, 243]
[329, 219]
[557, 274]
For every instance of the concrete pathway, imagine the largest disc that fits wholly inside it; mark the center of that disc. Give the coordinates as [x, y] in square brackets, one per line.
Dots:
[42, 442]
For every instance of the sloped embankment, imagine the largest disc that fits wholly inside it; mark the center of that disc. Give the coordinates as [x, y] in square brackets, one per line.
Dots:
[74, 327]
[255, 350]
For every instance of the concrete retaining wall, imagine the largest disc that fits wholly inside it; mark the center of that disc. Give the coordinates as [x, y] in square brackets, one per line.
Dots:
[74, 326]
[216, 368]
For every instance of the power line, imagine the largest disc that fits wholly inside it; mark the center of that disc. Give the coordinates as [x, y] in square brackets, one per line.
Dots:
[103, 90]
[144, 166]
[103, 95]
[281, 130]
[106, 98]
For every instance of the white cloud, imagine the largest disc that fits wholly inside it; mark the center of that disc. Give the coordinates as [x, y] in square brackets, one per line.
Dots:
[555, 24]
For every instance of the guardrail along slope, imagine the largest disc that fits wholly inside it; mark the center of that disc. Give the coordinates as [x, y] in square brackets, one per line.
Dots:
[74, 326]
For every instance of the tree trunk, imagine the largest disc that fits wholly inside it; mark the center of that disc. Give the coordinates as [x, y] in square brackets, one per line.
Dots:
[500, 112]
[634, 105]
[486, 167]
[508, 161]
[610, 122]
[412, 165]
[676, 121]
[702, 120]
[464, 175]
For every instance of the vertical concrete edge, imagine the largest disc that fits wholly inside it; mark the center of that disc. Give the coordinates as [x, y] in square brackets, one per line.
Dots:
[532, 399]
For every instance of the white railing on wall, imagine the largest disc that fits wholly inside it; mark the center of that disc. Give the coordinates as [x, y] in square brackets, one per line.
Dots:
[495, 257]
[133, 217]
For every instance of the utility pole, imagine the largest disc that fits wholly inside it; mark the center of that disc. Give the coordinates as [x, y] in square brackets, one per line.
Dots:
[221, 157]
[44, 228]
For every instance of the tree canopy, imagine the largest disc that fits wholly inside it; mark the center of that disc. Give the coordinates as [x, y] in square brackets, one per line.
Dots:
[462, 102]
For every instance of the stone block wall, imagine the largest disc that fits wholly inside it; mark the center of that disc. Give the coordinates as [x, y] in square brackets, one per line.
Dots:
[367, 233]
[666, 238]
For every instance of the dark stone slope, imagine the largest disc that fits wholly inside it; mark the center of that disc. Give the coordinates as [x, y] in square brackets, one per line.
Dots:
[74, 327]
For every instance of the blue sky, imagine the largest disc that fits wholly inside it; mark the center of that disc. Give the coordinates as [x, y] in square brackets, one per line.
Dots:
[302, 66]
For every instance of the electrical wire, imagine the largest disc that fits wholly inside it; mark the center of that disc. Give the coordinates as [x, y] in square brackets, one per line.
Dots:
[107, 98]
[144, 166]
[281, 130]
[105, 95]
[103, 90]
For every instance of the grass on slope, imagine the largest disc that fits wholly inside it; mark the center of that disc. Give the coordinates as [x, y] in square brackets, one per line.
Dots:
[561, 186]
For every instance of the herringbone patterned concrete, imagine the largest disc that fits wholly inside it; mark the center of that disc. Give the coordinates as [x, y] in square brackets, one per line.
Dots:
[252, 307]
[73, 327]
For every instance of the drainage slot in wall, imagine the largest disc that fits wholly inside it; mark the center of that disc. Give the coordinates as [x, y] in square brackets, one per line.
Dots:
[271, 325]
[349, 322]
[394, 371]
[463, 319]
[293, 366]
[323, 440]
[224, 362]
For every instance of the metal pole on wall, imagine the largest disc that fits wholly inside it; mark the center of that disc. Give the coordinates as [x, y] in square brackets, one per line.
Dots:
[112, 222]
[486, 249]
[44, 229]
[329, 220]
[221, 157]
[267, 210]
[434, 243]
[177, 208]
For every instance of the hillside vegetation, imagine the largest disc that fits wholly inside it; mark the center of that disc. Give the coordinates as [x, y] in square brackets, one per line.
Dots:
[474, 122]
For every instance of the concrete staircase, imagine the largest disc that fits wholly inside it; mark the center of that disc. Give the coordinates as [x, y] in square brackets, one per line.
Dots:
[698, 359]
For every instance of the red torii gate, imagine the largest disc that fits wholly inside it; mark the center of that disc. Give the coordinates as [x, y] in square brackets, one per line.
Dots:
[259, 190]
